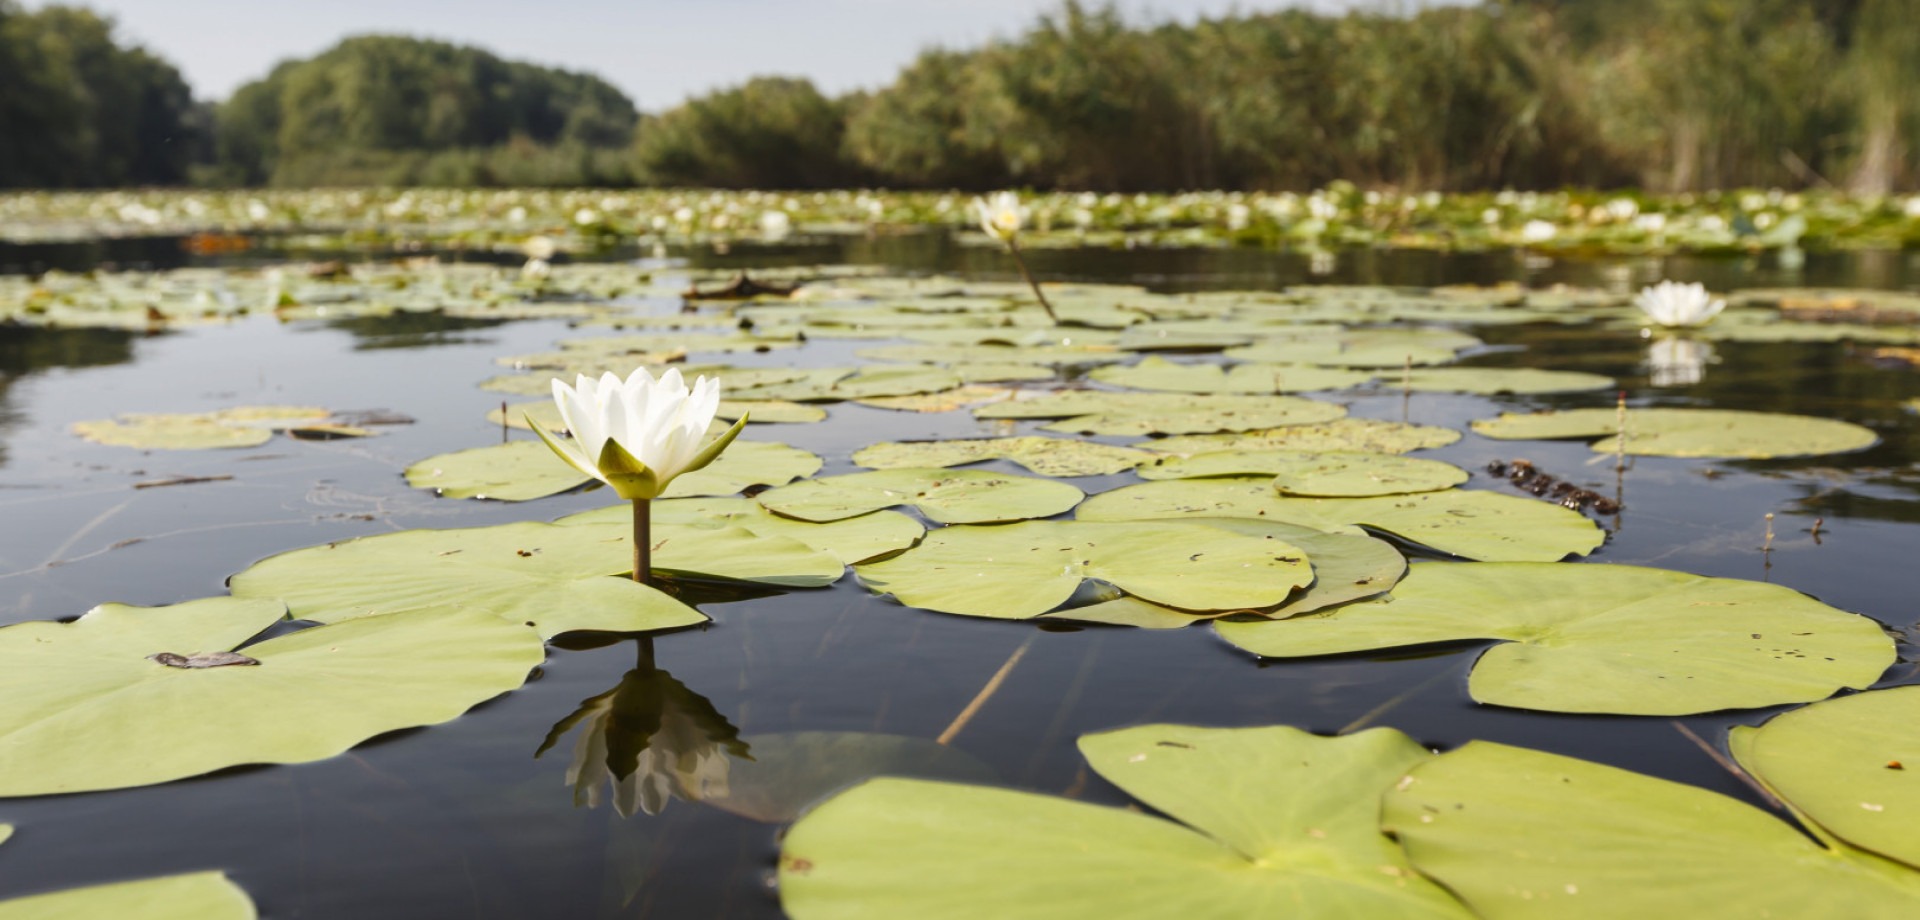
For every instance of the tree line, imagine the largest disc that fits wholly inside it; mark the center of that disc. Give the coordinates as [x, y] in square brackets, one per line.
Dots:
[1669, 95]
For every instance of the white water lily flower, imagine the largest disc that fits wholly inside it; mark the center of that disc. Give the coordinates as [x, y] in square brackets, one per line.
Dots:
[637, 434]
[1000, 215]
[1670, 304]
[1538, 231]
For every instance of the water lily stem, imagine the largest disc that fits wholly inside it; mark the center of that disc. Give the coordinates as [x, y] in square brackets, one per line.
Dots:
[643, 541]
[986, 693]
[1021, 261]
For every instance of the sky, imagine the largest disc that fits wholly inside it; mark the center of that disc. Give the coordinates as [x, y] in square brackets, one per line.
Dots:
[658, 51]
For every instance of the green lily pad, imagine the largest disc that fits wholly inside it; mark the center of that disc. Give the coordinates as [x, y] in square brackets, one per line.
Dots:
[1470, 524]
[1045, 456]
[952, 355]
[758, 411]
[1019, 571]
[1346, 567]
[190, 896]
[242, 426]
[1001, 372]
[1324, 474]
[1103, 412]
[1276, 820]
[1363, 348]
[525, 470]
[558, 578]
[793, 770]
[944, 496]
[1688, 432]
[1495, 380]
[1604, 638]
[1365, 435]
[1156, 373]
[1525, 834]
[1847, 765]
[82, 694]
[943, 401]
[845, 383]
[854, 539]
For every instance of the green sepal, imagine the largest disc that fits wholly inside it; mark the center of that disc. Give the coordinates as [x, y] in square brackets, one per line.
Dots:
[630, 479]
[571, 456]
[708, 453]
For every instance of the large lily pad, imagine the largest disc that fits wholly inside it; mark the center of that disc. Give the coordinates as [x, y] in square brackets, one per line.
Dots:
[243, 426]
[1525, 834]
[191, 896]
[944, 496]
[1323, 474]
[1688, 432]
[1018, 571]
[1470, 524]
[558, 578]
[1604, 638]
[793, 770]
[1156, 373]
[1103, 412]
[82, 695]
[1045, 456]
[1495, 380]
[1846, 764]
[1277, 821]
[1346, 567]
[525, 470]
[1367, 435]
[854, 539]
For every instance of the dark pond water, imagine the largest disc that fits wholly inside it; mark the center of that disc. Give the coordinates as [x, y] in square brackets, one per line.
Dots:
[462, 820]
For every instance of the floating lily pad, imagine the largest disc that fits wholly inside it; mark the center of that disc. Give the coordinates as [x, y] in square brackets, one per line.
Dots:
[792, 770]
[1470, 524]
[192, 896]
[1495, 380]
[1018, 571]
[1688, 432]
[1276, 819]
[1366, 435]
[1364, 348]
[1525, 834]
[944, 496]
[1045, 456]
[1847, 765]
[558, 578]
[1044, 355]
[242, 426]
[1346, 567]
[743, 465]
[854, 539]
[1604, 638]
[1155, 373]
[524, 470]
[836, 384]
[758, 411]
[1324, 474]
[942, 401]
[1102, 412]
[81, 695]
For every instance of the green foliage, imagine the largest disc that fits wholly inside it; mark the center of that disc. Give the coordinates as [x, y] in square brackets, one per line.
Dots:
[770, 132]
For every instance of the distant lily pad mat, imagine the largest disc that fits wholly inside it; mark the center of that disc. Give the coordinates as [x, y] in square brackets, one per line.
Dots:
[1688, 432]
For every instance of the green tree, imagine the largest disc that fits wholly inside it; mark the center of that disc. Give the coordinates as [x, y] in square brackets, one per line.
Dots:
[770, 132]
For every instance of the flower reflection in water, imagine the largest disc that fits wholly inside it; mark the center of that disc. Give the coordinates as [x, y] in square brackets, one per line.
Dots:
[1677, 362]
[651, 739]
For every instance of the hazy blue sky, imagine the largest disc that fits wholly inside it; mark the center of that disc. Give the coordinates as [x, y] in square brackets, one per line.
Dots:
[658, 51]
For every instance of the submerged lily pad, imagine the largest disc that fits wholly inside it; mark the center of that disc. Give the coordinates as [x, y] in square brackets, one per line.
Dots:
[1471, 524]
[854, 539]
[1102, 412]
[1325, 474]
[243, 426]
[1018, 571]
[1495, 380]
[1156, 373]
[1045, 456]
[1688, 432]
[1604, 638]
[1366, 435]
[1846, 765]
[1526, 834]
[792, 770]
[1274, 819]
[190, 896]
[558, 578]
[524, 470]
[944, 496]
[81, 695]
[1346, 567]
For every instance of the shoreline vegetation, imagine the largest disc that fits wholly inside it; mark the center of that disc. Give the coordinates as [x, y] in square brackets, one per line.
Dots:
[1671, 96]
